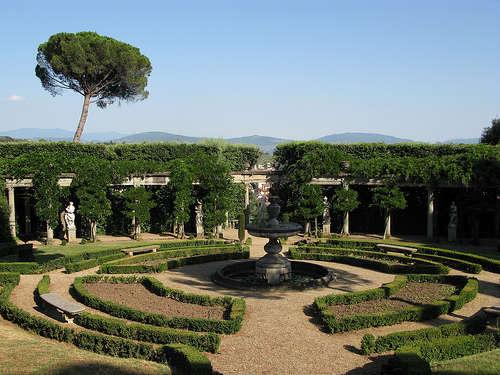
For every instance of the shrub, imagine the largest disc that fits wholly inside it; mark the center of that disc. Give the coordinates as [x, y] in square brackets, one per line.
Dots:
[393, 341]
[492, 265]
[20, 267]
[91, 263]
[417, 357]
[208, 342]
[461, 265]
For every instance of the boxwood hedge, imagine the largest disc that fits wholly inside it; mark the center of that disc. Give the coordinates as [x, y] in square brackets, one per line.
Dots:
[393, 341]
[178, 355]
[235, 307]
[468, 289]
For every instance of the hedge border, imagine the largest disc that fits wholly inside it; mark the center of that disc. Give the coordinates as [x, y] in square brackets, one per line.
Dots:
[235, 307]
[177, 355]
[416, 358]
[468, 291]
[174, 259]
[392, 341]
[423, 266]
[488, 264]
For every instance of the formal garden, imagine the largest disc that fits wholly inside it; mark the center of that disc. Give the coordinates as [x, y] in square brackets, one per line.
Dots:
[177, 258]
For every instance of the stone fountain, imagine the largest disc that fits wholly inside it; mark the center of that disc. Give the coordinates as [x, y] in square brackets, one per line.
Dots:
[273, 268]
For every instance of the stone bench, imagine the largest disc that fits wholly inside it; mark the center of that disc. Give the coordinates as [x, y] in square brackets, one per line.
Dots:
[396, 249]
[141, 250]
[492, 314]
[67, 308]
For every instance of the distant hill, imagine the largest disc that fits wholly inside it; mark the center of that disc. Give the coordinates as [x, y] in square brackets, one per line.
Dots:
[467, 141]
[361, 137]
[8, 139]
[59, 135]
[266, 144]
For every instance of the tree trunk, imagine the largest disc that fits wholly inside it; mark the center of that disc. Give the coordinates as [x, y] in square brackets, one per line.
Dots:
[83, 119]
[93, 231]
[387, 231]
[307, 228]
[50, 233]
[180, 230]
[316, 227]
[345, 224]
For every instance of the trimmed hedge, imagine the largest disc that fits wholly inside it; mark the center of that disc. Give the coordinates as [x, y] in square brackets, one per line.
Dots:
[178, 355]
[187, 243]
[416, 358]
[181, 257]
[393, 341]
[20, 267]
[208, 342]
[468, 291]
[489, 264]
[458, 264]
[91, 263]
[235, 307]
[377, 263]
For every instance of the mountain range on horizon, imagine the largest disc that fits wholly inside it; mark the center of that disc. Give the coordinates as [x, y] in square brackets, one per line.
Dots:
[265, 143]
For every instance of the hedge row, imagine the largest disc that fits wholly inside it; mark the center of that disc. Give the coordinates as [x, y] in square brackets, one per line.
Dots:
[207, 342]
[240, 157]
[235, 307]
[416, 358]
[178, 355]
[458, 264]
[20, 267]
[188, 243]
[489, 264]
[43, 285]
[91, 263]
[421, 266]
[468, 291]
[371, 344]
[186, 257]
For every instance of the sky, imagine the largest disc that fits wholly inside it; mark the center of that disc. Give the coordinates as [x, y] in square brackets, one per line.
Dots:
[424, 70]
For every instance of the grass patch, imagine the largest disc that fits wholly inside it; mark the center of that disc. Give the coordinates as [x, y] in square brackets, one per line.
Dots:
[487, 363]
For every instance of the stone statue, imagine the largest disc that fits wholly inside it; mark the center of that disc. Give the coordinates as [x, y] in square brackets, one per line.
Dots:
[262, 210]
[199, 219]
[452, 224]
[69, 216]
[68, 221]
[326, 217]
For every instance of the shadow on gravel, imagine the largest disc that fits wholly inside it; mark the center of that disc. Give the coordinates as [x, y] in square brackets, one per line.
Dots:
[99, 369]
[370, 368]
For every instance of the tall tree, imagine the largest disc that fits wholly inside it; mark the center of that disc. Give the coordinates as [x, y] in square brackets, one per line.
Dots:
[181, 179]
[138, 203]
[491, 135]
[345, 200]
[99, 68]
[388, 199]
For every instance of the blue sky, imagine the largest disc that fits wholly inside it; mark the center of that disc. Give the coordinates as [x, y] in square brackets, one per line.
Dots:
[425, 70]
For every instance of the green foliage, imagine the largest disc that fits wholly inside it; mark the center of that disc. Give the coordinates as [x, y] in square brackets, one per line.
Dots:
[94, 65]
[458, 264]
[174, 259]
[177, 355]
[214, 189]
[181, 178]
[241, 227]
[388, 198]
[231, 325]
[491, 135]
[396, 340]
[138, 203]
[20, 267]
[43, 285]
[345, 200]
[91, 263]
[208, 342]
[417, 357]
[388, 263]
[467, 292]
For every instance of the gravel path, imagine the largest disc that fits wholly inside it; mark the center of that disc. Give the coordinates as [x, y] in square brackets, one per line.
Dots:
[278, 337]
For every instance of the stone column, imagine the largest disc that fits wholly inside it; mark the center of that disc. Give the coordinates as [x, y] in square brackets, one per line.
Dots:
[247, 195]
[430, 214]
[12, 211]
[345, 225]
[27, 214]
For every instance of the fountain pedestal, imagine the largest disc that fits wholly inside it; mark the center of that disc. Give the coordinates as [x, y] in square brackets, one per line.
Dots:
[273, 267]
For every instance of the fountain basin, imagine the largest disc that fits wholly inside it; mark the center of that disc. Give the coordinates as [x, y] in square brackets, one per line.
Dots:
[243, 276]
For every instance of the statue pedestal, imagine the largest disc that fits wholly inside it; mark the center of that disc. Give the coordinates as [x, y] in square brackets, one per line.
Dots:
[452, 233]
[199, 231]
[71, 235]
[326, 230]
